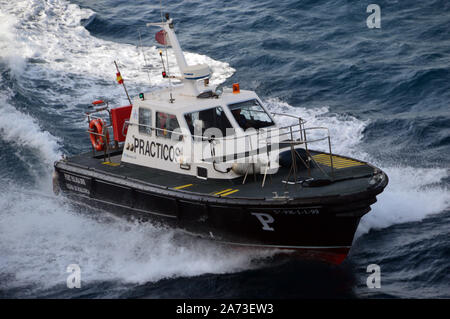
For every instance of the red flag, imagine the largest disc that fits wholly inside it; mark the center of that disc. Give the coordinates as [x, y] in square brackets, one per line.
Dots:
[161, 37]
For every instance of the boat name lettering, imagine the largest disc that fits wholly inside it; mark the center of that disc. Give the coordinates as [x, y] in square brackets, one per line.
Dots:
[158, 150]
[77, 189]
[300, 211]
[74, 179]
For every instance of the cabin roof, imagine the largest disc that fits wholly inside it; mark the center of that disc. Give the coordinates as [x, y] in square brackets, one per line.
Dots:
[159, 100]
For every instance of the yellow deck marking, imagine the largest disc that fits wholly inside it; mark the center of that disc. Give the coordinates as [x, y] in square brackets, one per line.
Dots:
[341, 164]
[183, 186]
[224, 191]
[111, 163]
[338, 162]
[228, 193]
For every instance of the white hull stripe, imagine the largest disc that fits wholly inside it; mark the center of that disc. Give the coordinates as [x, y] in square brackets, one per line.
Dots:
[282, 246]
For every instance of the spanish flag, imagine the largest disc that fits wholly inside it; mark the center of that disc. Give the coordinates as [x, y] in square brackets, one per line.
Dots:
[119, 78]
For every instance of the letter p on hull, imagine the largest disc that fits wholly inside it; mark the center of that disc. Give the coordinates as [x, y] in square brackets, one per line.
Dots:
[265, 220]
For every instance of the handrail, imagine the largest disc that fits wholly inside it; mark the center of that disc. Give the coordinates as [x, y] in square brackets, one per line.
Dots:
[202, 137]
[235, 137]
[289, 115]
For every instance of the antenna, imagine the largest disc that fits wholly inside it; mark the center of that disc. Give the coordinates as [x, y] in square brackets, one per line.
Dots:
[145, 58]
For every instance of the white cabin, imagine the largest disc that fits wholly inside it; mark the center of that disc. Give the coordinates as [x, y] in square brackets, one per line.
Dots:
[190, 129]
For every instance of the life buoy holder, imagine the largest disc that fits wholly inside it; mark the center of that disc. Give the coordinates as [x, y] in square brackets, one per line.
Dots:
[96, 127]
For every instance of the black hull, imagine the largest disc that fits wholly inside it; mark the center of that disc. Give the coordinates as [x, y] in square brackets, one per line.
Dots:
[321, 227]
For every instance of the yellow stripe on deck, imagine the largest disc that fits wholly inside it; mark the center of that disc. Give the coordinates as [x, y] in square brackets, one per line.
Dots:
[183, 186]
[110, 163]
[224, 191]
[228, 193]
[338, 162]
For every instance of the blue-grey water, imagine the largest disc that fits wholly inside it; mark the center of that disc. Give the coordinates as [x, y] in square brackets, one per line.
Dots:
[384, 93]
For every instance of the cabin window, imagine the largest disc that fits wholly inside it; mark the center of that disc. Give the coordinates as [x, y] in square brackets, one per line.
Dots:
[250, 114]
[145, 121]
[165, 125]
[199, 122]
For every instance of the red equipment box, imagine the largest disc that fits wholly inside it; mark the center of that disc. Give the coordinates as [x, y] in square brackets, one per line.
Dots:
[118, 117]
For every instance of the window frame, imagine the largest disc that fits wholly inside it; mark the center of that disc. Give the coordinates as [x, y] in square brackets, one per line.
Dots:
[147, 128]
[224, 113]
[229, 106]
[158, 129]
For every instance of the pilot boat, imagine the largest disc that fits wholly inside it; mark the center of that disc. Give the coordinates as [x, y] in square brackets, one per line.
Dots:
[216, 163]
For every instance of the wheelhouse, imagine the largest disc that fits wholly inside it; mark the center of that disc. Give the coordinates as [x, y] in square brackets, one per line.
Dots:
[193, 128]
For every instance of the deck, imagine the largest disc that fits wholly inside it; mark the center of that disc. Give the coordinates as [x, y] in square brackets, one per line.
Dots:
[349, 176]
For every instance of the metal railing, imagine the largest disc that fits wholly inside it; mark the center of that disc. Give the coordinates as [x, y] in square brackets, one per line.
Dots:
[305, 141]
[105, 132]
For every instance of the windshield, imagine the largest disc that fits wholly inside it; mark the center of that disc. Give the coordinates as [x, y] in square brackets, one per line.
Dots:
[250, 114]
[213, 118]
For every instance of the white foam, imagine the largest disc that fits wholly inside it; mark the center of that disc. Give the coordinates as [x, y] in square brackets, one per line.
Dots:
[40, 236]
[72, 60]
[412, 195]
[24, 132]
[345, 131]
[9, 44]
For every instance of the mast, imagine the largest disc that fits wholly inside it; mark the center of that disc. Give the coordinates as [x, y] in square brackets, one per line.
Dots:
[189, 74]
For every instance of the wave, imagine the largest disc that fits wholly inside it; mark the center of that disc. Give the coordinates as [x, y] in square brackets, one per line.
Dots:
[40, 235]
[24, 132]
[9, 45]
[413, 193]
[55, 56]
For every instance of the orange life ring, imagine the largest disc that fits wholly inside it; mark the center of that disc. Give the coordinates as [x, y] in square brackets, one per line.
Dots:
[96, 126]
